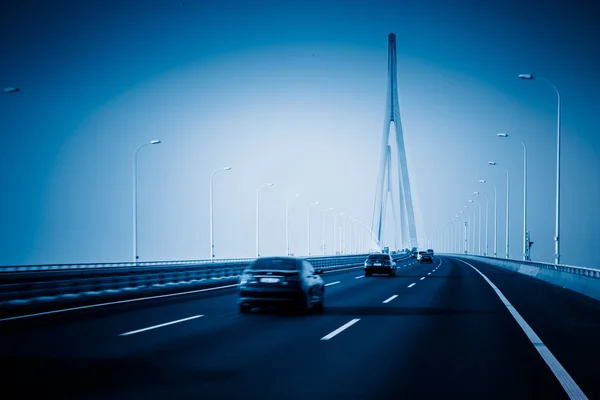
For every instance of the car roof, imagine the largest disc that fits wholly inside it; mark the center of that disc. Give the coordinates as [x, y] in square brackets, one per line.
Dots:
[279, 258]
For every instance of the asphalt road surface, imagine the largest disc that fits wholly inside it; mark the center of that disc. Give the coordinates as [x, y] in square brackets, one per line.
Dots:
[435, 330]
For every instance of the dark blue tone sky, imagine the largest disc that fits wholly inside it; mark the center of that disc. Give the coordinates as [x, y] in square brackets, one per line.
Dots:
[291, 92]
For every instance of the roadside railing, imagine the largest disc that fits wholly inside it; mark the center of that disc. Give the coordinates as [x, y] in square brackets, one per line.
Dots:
[36, 283]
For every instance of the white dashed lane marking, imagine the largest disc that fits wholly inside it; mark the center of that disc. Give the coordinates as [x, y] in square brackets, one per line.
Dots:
[160, 326]
[340, 329]
[390, 299]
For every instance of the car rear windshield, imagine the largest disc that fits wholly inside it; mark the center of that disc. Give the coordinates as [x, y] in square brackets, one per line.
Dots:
[379, 257]
[275, 263]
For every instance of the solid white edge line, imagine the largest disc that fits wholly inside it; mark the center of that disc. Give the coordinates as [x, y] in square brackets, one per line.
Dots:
[160, 326]
[411, 285]
[340, 329]
[332, 283]
[390, 299]
[567, 382]
[117, 302]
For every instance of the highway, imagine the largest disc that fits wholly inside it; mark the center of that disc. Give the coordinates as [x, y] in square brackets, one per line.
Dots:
[435, 329]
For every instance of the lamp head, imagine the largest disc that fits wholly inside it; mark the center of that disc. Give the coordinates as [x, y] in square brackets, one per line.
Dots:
[482, 181]
[470, 201]
[155, 142]
[227, 168]
[503, 135]
[526, 77]
[492, 163]
[11, 90]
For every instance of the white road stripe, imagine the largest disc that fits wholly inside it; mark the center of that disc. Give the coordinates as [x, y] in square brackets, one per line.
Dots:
[358, 277]
[332, 283]
[340, 329]
[117, 302]
[390, 299]
[567, 382]
[411, 285]
[422, 278]
[429, 273]
[160, 326]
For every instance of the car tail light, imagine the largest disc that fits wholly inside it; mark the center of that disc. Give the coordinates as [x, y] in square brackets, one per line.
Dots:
[247, 278]
[292, 278]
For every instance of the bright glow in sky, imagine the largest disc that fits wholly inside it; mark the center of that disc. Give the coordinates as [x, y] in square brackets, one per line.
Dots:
[291, 93]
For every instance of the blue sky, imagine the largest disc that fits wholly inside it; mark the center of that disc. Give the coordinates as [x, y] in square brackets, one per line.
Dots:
[288, 92]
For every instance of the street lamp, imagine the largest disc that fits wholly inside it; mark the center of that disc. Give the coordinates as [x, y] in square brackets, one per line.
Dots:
[467, 230]
[335, 232]
[350, 235]
[487, 213]
[361, 237]
[135, 241]
[287, 225]
[323, 229]
[479, 239]
[507, 205]
[495, 217]
[557, 222]
[308, 223]
[212, 246]
[257, 217]
[525, 240]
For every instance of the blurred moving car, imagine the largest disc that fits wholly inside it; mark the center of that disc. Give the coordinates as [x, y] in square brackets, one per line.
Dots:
[380, 263]
[426, 258]
[420, 254]
[430, 251]
[281, 281]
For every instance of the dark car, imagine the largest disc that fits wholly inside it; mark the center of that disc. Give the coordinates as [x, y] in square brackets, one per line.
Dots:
[281, 281]
[380, 263]
[430, 251]
[426, 258]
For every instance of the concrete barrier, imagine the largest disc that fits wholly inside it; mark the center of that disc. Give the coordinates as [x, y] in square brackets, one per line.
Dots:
[578, 279]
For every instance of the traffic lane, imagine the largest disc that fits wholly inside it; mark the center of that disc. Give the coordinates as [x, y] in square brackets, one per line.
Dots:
[449, 336]
[207, 354]
[566, 321]
[293, 370]
[151, 302]
[70, 334]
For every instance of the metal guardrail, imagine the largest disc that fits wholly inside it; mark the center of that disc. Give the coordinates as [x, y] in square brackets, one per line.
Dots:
[60, 267]
[18, 288]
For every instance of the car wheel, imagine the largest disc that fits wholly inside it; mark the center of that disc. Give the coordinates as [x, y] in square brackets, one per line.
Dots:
[245, 309]
[392, 273]
[306, 307]
[320, 307]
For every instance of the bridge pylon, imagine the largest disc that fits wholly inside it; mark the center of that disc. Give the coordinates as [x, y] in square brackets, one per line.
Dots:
[405, 232]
